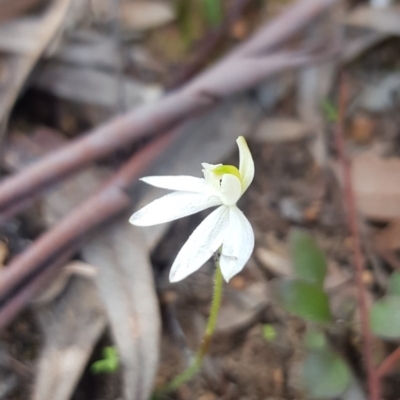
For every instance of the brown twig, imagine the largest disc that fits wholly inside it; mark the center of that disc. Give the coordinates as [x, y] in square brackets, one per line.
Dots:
[21, 297]
[356, 245]
[388, 363]
[228, 76]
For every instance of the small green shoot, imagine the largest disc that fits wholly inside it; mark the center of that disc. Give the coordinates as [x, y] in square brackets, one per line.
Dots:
[269, 332]
[330, 111]
[108, 364]
[190, 21]
[213, 12]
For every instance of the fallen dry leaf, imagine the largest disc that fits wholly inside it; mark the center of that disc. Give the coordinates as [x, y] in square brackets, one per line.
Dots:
[92, 86]
[383, 20]
[145, 15]
[56, 287]
[242, 308]
[362, 128]
[274, 263]
[43, 28]
[389, 237]
[71, 325]
[126, 286]
[281, 130]
[376, 183]
[314, 84]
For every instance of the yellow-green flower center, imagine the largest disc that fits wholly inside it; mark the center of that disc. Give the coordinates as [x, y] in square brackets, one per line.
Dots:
[226, 169]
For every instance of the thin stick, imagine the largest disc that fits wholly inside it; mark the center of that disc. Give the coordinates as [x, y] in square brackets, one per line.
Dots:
[388, 363]
[355, 234]
[33, 287]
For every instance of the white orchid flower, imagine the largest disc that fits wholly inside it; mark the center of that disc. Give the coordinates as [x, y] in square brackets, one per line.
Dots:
[225, 227]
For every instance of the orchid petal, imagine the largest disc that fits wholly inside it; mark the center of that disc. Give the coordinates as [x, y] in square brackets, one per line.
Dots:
[201, 245]
[210, 167]
[246, 164]
[238, 244]
[231, 189]
[210, 178]
[172, 206]
[181, 183]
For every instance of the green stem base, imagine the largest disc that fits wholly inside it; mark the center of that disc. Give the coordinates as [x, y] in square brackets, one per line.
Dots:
[192, 370]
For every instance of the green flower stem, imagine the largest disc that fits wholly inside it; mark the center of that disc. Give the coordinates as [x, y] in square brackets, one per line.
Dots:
[191, 371]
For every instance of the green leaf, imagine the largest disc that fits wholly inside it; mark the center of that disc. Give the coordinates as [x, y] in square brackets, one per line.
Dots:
[330, 111]
[308, 259]
[108, 364]
[394, 284]
[385, 317]
[324, 374]
[315, 340]
[213, 11]
[304, 299]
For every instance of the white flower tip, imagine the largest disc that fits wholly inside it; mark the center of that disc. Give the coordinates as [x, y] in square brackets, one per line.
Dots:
[139, 219]
[173, 277]
[229, 267]
[178, 274]
[241, 141]
[134, 220]
[243, 146]
[227, 278]
[149, 180]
